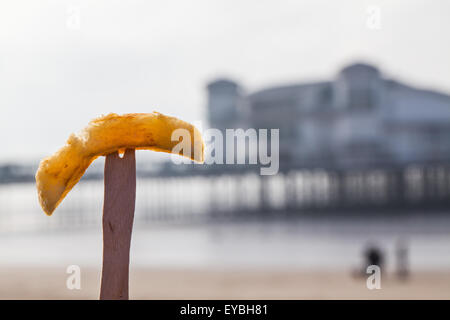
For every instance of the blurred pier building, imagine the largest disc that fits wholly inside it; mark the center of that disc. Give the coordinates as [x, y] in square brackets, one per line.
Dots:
[360, 142]
[359, 119]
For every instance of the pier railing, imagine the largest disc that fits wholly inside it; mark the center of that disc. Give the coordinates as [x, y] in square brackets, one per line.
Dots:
[237, 194]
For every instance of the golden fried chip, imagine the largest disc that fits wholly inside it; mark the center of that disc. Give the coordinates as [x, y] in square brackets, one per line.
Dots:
[59, 173]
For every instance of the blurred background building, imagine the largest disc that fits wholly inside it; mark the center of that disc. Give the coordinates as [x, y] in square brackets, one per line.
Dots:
[359, 118]
[359, 142]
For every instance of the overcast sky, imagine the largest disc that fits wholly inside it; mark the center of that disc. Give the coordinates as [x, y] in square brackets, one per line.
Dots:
[138, 56]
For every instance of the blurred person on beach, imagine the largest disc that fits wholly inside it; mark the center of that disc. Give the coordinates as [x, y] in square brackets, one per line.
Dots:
[372, 255]
[402, 259]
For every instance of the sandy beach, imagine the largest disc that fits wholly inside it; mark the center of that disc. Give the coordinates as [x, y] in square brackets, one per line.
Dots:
[48, 283]
[304, 260]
